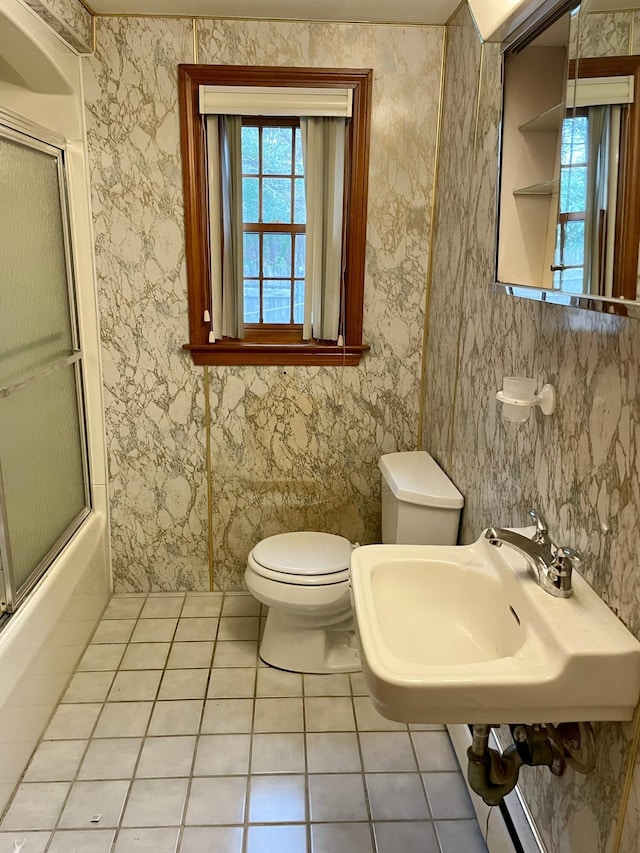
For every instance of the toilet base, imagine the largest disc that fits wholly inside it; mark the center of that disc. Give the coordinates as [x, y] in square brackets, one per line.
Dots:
[288, 645]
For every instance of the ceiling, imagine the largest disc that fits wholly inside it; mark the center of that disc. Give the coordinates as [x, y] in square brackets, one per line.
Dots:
[373, 11]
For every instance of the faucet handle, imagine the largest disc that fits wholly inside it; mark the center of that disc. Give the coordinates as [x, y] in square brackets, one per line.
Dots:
[541, 536]
[560, 571]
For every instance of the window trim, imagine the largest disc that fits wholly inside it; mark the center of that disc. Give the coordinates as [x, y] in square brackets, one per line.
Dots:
[193, 147]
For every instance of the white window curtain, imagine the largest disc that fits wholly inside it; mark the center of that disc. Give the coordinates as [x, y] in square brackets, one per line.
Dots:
[224, 148]
[323, 152]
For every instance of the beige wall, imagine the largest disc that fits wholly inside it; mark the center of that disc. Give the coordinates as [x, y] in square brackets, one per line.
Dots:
[290, 448]
[581, 466]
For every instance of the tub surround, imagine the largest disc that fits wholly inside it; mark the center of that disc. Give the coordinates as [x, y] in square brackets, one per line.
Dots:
[580, 465]
[291, 448]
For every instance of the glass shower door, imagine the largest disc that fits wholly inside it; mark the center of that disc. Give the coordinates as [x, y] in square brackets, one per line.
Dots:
[44, 492]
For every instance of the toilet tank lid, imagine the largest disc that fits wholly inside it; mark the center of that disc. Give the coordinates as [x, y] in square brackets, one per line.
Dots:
[415, 477]
[304, 553]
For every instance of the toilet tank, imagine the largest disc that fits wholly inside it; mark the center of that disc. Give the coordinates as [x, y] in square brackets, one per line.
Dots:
[420, 504]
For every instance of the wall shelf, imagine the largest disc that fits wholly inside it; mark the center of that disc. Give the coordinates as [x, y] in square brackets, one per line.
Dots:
[548, 120]
[543, 188]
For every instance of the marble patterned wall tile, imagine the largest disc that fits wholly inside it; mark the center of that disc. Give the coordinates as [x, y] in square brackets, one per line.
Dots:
[452, 216]
[70, 19]
[153, 396]
[602, 34]
[297, 448]
[580, 466]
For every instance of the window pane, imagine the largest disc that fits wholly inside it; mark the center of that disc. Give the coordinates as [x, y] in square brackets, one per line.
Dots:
[251, 301]
[252, 254]
[301, 246]
[300, 212]
[298, 302]
[574, 140]
[276, 200]
[276, 259]
[276, 150]
[250, 195]
[299, 167]
[573, 189]
[277, 301]
[250, 157]
[573, 244]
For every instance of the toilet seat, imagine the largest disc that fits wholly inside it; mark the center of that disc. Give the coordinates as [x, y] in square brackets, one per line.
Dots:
[303, 558]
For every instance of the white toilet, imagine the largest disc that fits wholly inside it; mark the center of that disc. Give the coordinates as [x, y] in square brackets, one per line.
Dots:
[304, 577]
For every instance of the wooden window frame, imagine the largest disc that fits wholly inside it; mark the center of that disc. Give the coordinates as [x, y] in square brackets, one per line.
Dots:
[627, 222]
[276, 346]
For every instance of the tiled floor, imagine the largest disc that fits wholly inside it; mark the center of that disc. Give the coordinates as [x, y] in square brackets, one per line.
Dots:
[173, 736]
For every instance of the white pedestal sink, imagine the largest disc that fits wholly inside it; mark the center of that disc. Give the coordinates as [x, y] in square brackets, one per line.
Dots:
[464, 634]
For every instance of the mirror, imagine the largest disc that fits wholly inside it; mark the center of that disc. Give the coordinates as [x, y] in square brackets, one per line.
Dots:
[569, 222]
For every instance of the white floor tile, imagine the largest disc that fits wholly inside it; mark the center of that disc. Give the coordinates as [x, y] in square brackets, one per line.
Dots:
[333, 752]
[240, 604]
[88, 687]
[135, 686]
[397, 796]
[329, 714]
[278, 753]
[387, 752]
[369, 720]
[222, 716]
[434, 751]
[277, 799]
[114, 631]
[333, 837]
[457, 835]
[102, 657]
[209, 604]
[154, 631]
[276, 839]
[337, 797]
[236, 683]
[236, 654]
[111, 758]
[164, 757]
[409, 837]
[34, 842]
[36, 805]
[124, 607]
[196, 628]
[189, 655]
[124, 719]
[72, 722]
[211, 839]
[239, 628]
[152, 840]
[184, 684]
[276, 683]
[223, 755]
[156, 802]
[145, 656]
[334, 684]
[162, 606]
[448, 796]
[176, 717]
[81, 841]
[216, 801]
[278, 715]
[87, 800]
[55, 761]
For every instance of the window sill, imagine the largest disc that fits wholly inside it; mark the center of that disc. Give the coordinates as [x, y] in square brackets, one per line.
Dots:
[230, 353]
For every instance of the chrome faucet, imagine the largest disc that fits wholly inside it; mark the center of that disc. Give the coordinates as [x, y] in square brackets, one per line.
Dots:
[551, 565]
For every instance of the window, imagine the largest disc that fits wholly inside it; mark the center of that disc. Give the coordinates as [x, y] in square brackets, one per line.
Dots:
[274, 224]
[568, 267]
[273, 212]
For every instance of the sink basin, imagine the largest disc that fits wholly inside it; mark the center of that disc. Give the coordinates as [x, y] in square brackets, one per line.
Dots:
[464, 634]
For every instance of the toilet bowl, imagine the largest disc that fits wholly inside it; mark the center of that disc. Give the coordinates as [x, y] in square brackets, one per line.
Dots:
[303, 577]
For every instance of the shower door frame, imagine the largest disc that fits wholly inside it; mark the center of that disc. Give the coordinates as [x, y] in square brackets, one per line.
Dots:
[29, 134]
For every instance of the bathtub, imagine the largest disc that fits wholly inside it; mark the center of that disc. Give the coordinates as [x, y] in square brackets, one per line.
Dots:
[43, 642]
